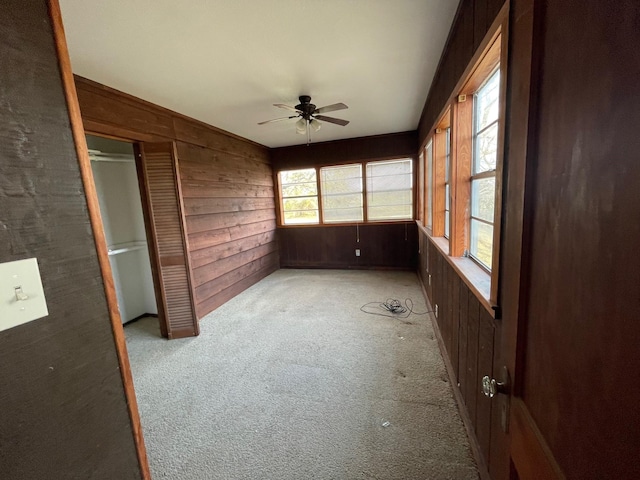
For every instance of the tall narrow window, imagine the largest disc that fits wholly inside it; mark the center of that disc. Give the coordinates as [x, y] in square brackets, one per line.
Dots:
[447, 183]
[299, 195]
[429, 182]
[390, 190]
[341, 189]
[483, 174]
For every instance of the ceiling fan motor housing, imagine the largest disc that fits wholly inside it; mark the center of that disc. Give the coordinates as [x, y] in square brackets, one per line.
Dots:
[306, 107]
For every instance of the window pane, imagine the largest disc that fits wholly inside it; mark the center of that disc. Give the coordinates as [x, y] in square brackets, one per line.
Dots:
[481, 245]
[447, 198]
[429, 184]
[390, 212]
[300, 203]
[342, 193]
[390, 190]
[298, 217]
[487, 102]
[483, 198]
[446, 224]
[298, 189]
[485, 150]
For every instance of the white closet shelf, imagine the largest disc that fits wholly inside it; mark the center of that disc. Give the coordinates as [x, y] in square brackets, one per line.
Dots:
[126, 247]
[98, 156]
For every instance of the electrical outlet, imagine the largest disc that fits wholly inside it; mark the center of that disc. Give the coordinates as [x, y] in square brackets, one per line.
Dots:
[436, 312]
[357, 252]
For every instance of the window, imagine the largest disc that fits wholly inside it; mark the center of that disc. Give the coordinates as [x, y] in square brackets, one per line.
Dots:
[390, 190]
[447, 182]
[341, 189]
[483, 174]
[463, 166]
[299, 194]
[349, 193]
[429, 182]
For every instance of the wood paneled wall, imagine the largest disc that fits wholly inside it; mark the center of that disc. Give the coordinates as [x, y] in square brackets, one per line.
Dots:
[469, 334]
[62, 403]
[471, 23]
[386, 246]
[333, 246]
[343, 151]
[227, 187]
[582, 331]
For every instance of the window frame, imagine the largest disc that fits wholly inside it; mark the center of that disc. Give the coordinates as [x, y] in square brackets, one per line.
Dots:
[492, 55]
[363, 164]
[475, 176]
[322, 195]
[281, 211]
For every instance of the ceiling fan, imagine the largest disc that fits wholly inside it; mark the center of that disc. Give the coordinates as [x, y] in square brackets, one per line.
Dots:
[309, 116]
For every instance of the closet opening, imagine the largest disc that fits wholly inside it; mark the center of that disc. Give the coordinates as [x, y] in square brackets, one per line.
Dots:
[118, 186]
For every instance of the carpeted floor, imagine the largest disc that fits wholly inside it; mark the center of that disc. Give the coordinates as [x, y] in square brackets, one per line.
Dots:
[290, 380]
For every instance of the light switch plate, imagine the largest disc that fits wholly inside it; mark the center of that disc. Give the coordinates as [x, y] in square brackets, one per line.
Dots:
[21, 293]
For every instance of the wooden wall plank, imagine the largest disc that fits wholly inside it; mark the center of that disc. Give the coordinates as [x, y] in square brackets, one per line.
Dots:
[344, 151]
[194, 132]
[228, 293]
[462, 339]
[455, 323]
[219, 251]
[205, 291]
[381, 245]
[472, 386]
[225, 183]
[484, 404]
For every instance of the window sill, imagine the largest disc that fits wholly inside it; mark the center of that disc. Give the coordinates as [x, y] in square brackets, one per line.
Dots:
[474, 276]
[346, 224]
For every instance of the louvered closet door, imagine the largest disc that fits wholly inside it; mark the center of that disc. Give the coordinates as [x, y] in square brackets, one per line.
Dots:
[162, 190]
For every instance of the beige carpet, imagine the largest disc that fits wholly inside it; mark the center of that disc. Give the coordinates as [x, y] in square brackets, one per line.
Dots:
[291, 380]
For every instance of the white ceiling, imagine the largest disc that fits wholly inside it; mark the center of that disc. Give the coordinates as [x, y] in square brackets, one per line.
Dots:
[225, 62]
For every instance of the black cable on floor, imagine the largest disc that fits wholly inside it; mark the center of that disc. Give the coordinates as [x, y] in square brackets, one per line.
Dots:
[392, 308]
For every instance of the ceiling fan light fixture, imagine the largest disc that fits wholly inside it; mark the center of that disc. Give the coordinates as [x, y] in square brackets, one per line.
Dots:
[301, 126]
[315, 124]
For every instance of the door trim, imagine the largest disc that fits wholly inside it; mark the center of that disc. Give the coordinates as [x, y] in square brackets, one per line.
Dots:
[93, 207]
[529, 450]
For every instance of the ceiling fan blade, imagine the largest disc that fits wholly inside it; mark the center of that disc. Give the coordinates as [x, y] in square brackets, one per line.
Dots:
[331, 108]
[278, 119]
[337, 121]
[286, 107]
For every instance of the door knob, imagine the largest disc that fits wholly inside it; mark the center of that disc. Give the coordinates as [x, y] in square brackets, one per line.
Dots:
[490, 386]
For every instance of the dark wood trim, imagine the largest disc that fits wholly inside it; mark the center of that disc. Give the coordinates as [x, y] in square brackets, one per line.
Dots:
[82, 152]
[529, 450]
[497, 215]
[439, 148]
[457, 393]
[462, 145]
